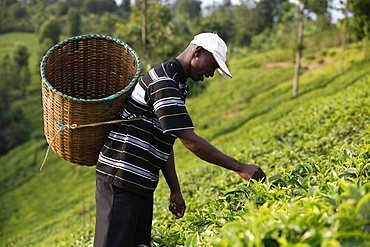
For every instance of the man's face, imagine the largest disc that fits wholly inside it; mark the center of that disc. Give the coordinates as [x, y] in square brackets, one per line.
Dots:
[203, 65]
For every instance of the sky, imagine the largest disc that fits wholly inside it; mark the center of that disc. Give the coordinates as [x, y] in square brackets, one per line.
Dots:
[204, 2]
[335, 15]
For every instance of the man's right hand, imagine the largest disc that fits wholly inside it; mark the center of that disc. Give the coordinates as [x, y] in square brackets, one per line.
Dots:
[250, 171]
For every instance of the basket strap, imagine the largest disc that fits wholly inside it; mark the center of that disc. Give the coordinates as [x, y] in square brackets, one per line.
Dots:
[47, 151]
[76, 126]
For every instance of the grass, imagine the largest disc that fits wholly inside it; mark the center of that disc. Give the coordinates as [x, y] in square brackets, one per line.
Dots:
[314, 149]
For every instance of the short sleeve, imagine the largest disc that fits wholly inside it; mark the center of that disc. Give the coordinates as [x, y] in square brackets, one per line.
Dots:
[169, 106]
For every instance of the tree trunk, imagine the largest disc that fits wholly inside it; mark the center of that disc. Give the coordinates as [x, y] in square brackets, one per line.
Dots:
[299, 51]
[344, 30]
[143, 26]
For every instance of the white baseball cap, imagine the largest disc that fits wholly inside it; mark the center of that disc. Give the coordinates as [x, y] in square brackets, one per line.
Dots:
[215, 45]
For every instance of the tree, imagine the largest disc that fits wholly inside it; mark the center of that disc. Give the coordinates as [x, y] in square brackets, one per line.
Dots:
[190, 8]
[99, 6]
[243, 18]
[21, 70]
[37, 10]
[124, 9]
[108, 23]
[186, 16]
[221, 20]
[46, 44]
[162, 38]
[74, 22]
[266, 13]
[343, 36]
[21, 56]
[361, 15]
[18, 129]
[144, 27]
[13, 16]
[5, 82]
[50, 29]
[320, 8]
[313, 6]
[299, 48]
[17, 11]
[14, 127]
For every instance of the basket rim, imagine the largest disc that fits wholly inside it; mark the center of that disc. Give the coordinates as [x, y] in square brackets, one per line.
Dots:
[91, 36]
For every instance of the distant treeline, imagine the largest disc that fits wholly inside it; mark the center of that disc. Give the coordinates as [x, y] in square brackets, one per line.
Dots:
[160, 29]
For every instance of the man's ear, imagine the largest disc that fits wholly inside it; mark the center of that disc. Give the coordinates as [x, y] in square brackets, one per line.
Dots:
[198, 51]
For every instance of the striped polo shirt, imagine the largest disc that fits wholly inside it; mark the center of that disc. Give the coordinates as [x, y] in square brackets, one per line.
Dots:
[136, 149]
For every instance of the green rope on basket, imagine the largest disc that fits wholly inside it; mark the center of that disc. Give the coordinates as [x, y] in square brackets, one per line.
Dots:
[89, 36]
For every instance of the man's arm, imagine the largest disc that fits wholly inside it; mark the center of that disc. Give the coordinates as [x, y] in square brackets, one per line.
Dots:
[207, 152]
[177, 203]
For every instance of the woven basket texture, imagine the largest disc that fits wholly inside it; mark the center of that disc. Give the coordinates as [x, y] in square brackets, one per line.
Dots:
[85, 80]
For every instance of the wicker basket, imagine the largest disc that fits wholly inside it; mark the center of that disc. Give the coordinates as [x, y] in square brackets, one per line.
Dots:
[85, 82]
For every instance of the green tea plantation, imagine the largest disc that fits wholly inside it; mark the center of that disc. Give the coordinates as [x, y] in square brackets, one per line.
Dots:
[314, 149]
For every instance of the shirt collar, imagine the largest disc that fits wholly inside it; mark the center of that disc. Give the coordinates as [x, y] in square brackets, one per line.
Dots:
[178, 68]
[183, 83]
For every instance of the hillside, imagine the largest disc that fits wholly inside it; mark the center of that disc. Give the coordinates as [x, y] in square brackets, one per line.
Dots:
[314, 148]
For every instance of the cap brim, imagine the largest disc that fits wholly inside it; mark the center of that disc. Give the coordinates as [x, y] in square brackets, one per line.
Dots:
[223, 70]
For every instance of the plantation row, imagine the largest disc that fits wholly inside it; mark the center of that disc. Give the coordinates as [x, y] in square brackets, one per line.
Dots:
[318, 191]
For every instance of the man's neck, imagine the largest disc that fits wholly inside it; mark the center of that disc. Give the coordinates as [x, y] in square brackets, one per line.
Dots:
[185, 59]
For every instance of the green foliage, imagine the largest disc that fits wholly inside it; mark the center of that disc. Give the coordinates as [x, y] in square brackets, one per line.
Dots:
[74, 22]
[360, 10]
[15, 128]
[271, 22]
[51, 29]
[107, 24]
[99, 6]
[318, 7]
[15, 77]
[268, 10]
[189, 8]
[306, 219]
[221, 24]
[162, 40]
[13, 16]
[21, 56]
[314, 149]
[266, 41]
[320, 154]
[124, 9]
[197, 87]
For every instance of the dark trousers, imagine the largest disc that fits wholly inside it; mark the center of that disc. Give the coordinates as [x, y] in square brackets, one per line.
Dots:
[123, 218]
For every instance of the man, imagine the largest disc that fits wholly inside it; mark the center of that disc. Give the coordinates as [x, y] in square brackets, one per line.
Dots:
[127, 171]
